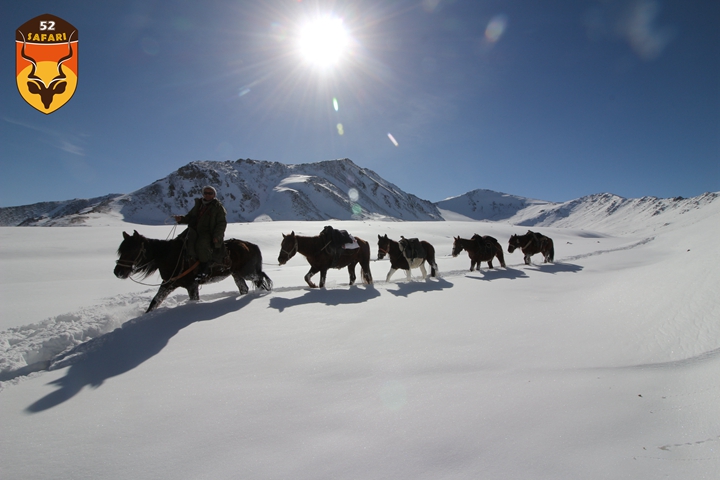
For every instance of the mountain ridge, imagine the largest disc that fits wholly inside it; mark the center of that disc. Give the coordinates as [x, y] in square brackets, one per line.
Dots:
[258, 190]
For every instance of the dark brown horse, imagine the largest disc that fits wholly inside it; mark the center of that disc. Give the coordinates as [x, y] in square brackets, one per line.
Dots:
[397, 252]
[532, 243]
[139, 254]
[321, 257]
[480, 249]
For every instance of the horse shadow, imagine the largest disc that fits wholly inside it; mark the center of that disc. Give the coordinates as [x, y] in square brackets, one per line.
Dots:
[127, 347]
[497, 273]
[333, 297]
[407, 288]
[554, 268]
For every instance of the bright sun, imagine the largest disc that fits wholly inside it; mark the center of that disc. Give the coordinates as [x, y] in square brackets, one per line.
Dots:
[323, 42]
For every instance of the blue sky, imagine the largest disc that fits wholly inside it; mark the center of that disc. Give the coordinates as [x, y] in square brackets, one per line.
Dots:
[550, 99]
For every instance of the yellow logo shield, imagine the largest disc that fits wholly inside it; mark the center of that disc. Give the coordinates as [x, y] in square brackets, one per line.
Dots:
[46, 59]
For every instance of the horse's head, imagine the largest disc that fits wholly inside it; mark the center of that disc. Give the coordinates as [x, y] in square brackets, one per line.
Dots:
[457, 247]
[288, 248]
[513, 243]
[131, 252]
[383, 246]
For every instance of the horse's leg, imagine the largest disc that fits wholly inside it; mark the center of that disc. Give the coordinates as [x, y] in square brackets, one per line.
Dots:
[323, 277]
[490, 262]
[527, 258]
[351, 271]
[423, 271]
[310, 274]
[161, 295]
[390, 273]
[193, 292]
[408, 274]
[365, 271]
[240, 282]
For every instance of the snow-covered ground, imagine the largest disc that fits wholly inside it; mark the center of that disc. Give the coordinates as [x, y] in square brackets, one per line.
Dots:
[603, 365]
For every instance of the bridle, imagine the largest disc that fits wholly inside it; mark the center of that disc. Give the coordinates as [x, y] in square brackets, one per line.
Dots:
[292, 251]
[131, 264]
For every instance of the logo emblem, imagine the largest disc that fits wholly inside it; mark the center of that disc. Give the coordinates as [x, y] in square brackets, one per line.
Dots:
[46, 53]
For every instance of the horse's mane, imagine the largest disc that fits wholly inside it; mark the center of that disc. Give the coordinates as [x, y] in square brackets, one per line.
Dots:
[155, 250]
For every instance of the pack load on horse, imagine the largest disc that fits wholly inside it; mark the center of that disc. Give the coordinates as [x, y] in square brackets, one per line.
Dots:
[331, 249]
[480, 249]
[139, 254]
[336, 241]
[406, 254]
[532, 243]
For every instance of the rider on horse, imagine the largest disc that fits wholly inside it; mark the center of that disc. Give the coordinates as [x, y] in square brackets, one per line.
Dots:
[206, 223]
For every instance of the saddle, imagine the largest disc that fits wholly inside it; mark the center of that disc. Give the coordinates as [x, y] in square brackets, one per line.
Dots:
[411, 248]
[336, 241]
[485, 244]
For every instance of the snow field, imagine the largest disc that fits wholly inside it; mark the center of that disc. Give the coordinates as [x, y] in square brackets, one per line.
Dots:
[599, 366]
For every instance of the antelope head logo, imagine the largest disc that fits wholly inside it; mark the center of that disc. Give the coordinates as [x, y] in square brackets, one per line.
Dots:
[37, 85]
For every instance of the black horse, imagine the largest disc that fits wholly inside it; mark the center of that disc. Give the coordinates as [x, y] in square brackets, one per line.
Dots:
[401, 257]
[480, 249]
[532, 243]
[322, 255]
[139, 254]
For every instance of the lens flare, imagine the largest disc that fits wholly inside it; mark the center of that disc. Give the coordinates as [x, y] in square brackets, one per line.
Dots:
[335, 104]
[496, 28]
[340, 129]
[392, 139]
[353, 194]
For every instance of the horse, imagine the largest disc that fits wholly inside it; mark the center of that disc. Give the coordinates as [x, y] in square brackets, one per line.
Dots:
[532, 243]
[318, 252]
[398, 261]
[480, 249]
[139, 254]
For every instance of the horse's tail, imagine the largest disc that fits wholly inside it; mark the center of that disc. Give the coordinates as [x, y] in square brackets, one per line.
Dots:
[263, 282]
[430, 257]
[551, 251]
[499, 254]
[365, 261]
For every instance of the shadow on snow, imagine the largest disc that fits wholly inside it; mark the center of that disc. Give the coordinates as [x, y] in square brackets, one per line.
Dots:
[406, 288]
[334, 297]
[125, 348]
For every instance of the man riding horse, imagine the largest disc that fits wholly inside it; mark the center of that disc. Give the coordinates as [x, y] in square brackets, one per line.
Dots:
[206, 223]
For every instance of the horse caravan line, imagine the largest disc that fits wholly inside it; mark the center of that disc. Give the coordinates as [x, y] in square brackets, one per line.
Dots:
[332, 248]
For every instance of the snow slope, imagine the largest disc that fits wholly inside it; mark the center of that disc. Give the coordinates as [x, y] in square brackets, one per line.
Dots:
[603, 365]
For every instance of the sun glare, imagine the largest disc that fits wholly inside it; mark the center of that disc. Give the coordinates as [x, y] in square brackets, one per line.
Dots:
[323, 42]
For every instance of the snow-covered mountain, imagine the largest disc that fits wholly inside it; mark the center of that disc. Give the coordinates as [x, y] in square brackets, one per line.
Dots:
[488, 205]
[598, 211]
[254, 190]
[250, 190]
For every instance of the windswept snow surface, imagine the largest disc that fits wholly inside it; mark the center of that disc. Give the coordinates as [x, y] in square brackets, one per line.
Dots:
[603, 365]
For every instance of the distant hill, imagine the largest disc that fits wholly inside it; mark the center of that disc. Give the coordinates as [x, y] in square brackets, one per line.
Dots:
[254, 190]
[488, 205]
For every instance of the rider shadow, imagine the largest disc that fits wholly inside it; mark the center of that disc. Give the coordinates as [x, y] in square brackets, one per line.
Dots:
[127, 347]
[406, 288]
[333, 297]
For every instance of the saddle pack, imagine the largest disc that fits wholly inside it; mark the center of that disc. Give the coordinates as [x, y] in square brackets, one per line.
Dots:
[411, 248]
[336, 241]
